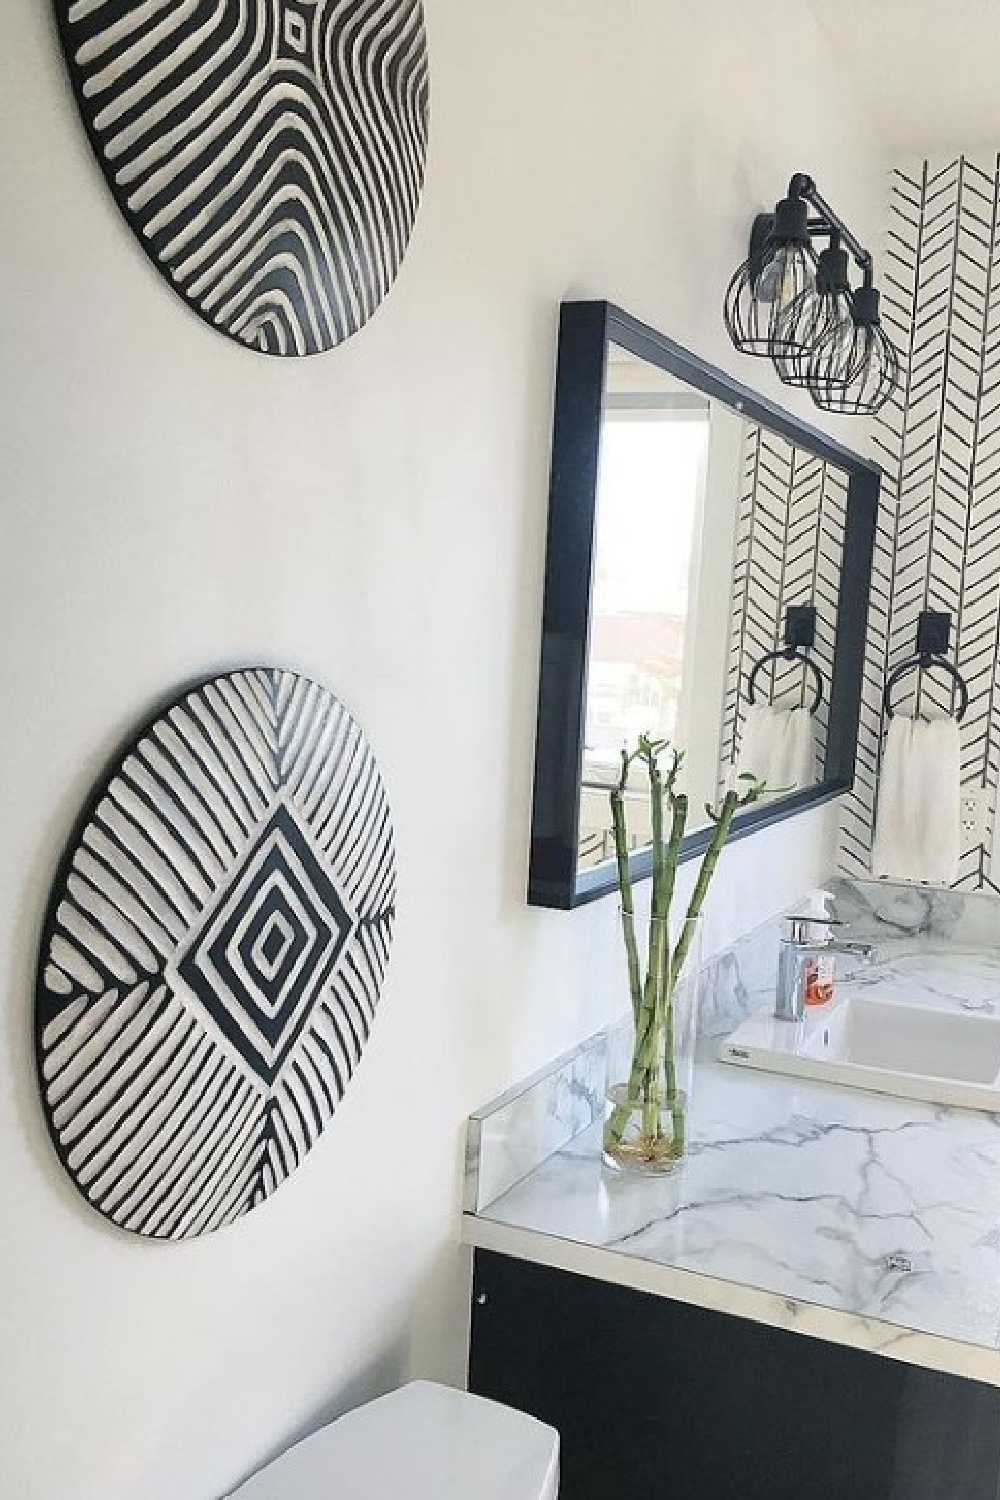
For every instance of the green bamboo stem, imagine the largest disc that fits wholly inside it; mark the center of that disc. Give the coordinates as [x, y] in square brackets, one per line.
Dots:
[657, 950]
[646, 1086]
[709, 861]
[677, 827]
[642, 1088]
[678, 1130]
[676, 1102]
[625, 888]
[643, 1084]
[656, 821]
[678, 823]
[669, 1057]
[640, 1081]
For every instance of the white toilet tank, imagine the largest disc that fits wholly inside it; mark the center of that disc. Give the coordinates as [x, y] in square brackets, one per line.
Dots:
[423, 1442]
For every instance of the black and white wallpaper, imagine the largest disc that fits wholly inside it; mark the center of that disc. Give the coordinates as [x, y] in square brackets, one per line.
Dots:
[213, 955]
[789, 548]
[938, 539]
[268, 154]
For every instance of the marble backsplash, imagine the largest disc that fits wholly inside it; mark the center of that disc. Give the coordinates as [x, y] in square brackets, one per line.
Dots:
[514, 1134]
[897, 919]
[879, 911]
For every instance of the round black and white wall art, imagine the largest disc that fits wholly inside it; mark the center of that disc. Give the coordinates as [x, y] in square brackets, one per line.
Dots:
[269, 154]
[213, 953]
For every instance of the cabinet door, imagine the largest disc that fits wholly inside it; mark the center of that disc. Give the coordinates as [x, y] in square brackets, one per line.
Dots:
[660, 1400]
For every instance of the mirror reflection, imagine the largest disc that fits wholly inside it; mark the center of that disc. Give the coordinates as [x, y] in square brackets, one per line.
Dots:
[718, 553]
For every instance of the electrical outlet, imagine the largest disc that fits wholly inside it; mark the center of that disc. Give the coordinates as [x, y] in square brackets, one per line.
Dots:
[972, 806]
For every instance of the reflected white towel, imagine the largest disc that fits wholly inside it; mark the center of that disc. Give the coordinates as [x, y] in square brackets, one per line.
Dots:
[778, 745]
[917, 835]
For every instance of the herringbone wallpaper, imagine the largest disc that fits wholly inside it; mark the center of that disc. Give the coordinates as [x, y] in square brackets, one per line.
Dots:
[938, 539]
[789, 548]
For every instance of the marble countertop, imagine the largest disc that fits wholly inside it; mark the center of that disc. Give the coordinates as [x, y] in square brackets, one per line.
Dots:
[854, 1217]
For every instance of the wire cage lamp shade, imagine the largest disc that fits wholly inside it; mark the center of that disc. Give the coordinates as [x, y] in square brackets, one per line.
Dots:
[821, 320]
[778, 272]
[874, 365]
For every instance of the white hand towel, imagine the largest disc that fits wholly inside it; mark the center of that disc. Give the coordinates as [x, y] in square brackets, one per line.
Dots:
[778, 745]
[917, 836]
[799, 767]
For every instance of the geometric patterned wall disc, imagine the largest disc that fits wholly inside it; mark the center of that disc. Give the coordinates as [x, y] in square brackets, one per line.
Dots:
[213, 953]
[268, 154]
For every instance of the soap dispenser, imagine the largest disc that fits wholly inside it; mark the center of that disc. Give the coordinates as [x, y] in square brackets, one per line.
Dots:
[821, 975]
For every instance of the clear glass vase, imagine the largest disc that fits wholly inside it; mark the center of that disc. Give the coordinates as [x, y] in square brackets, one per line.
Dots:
[651, 1060]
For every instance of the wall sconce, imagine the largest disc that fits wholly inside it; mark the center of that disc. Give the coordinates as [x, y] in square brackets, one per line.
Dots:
[779, 271]
[796, 307]
[873, 362]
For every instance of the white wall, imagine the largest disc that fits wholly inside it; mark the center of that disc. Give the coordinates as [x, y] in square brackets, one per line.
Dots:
[171, 504]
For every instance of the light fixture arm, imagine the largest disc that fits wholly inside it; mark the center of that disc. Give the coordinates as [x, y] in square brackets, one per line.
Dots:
[828, 221]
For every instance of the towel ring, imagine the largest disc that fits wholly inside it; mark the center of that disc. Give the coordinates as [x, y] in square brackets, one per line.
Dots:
[789, 653]
[927, 664]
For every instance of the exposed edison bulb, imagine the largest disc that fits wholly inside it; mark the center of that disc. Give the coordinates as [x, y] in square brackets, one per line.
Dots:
[835, 354]
[818, 328]
[874, 374]
[785, 276]
[779, 270]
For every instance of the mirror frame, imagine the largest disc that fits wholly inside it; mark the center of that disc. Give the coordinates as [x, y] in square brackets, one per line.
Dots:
[586, 329]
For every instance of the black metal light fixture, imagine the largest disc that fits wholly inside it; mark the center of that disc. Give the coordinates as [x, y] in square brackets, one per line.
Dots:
[874, 363]
[821, 321]
[797, 307]
[779, 271]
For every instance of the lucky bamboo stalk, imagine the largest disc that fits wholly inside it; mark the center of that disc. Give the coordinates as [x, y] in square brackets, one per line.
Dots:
[722, 821]
[625, 886]
[658, 950]
[653, 1002]
[678, 825]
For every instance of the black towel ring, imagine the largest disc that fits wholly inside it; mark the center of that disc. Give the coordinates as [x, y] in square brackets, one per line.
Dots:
[928, 664]
[933, 642]
[800, 634]
[789, 653]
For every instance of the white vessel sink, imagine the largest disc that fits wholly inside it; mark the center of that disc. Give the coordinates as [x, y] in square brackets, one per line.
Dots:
[922, 1052]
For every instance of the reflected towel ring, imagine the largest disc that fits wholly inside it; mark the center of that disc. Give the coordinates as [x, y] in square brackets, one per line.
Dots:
[927, 664]
[788, 653]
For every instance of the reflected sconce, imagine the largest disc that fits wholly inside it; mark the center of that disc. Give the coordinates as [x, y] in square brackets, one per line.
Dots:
[796, 306]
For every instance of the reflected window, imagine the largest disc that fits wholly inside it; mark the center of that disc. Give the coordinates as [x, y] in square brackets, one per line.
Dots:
[649, 517]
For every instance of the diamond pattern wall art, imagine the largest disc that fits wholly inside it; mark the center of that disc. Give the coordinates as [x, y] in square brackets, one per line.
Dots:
[268, 156]
[213, 953]
[938, 440]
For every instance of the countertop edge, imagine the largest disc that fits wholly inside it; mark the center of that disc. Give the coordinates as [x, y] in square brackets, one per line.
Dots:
[831, 1325]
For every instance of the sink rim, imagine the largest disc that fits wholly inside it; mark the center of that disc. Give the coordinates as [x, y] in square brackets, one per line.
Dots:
[766, 1044]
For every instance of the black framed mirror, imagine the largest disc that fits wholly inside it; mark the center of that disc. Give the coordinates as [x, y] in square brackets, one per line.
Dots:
[708, 566]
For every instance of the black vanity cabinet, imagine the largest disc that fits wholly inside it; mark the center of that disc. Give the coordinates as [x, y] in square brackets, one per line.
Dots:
[659, 1400]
